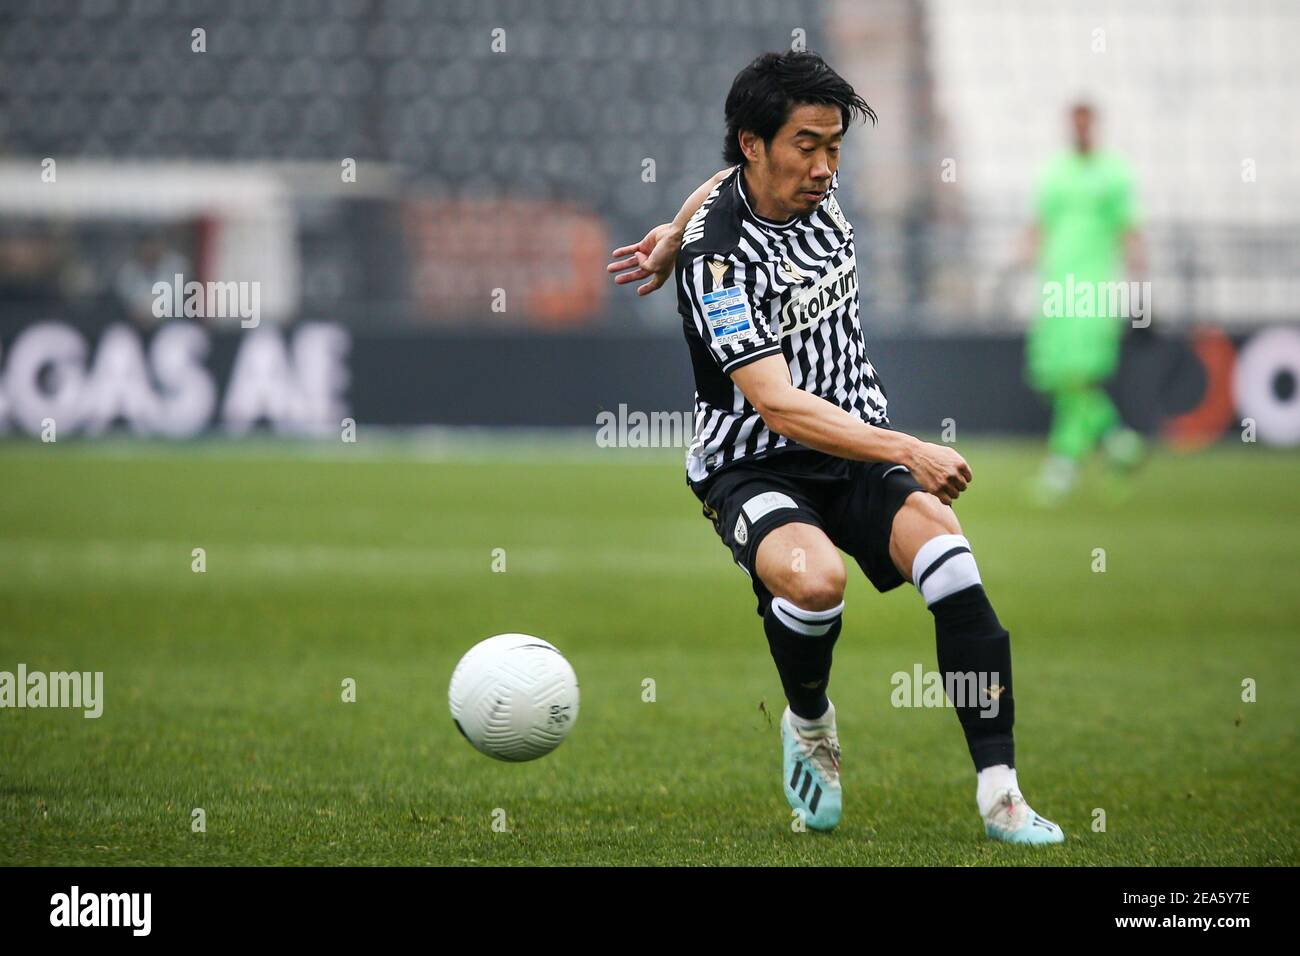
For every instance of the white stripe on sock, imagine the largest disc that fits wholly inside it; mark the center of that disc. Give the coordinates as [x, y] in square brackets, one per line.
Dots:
[956, 574]
[790, 614]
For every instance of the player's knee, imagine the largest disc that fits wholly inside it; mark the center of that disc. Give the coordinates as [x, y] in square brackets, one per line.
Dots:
[802, 566]
[817, 589]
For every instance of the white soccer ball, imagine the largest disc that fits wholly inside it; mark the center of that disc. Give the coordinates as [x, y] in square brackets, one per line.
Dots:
[514, 697]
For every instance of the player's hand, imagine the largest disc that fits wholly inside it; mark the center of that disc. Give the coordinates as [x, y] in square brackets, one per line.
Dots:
[939, 470]
[652, 258]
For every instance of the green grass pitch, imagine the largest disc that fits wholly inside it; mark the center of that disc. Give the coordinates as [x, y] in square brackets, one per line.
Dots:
[223, 689]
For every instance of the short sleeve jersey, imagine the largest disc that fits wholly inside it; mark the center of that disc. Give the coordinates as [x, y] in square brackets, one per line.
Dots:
[748, 288]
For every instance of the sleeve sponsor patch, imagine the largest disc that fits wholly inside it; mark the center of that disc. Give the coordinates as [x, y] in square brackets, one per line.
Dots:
[768, 501]
[727, 312]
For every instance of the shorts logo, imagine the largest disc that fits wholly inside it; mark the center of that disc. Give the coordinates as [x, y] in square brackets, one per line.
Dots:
[768, 501]
[727, 312]
[742, 532]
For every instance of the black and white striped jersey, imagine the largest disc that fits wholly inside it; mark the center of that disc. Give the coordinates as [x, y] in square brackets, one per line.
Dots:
[748, 287]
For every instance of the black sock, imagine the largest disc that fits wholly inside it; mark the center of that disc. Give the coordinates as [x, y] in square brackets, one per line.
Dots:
[803, 655]
[971, 640]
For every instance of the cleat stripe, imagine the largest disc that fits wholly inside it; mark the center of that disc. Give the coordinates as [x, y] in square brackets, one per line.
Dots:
[807, 782]
[794, 780]
[817, 796]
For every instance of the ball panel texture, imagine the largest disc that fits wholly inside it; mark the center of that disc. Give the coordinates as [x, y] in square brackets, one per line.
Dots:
[514, 697]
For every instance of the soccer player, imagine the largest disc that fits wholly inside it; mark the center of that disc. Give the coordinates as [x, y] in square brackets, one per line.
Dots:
[793, 456]
[1084, 221]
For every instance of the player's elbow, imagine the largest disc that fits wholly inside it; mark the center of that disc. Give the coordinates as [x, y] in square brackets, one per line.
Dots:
[775, 406]
[774, 421]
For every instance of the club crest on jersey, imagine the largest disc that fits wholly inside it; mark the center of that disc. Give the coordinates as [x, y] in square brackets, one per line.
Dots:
[727, 312]
[742, 531]
[811, 305]
[832, 207]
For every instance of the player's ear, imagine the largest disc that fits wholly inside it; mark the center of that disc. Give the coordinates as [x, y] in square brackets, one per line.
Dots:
[751, 145]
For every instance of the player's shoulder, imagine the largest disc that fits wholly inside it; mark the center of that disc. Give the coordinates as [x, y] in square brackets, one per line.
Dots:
[715, 230]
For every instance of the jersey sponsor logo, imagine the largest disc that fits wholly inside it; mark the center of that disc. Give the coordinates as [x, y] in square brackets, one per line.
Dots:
[727, 312]
[809, 306]
[766, 503]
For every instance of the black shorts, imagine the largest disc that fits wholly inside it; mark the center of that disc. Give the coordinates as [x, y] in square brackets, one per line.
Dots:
[853, 502]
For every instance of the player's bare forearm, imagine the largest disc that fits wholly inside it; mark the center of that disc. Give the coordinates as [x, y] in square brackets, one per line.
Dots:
[816, 423]
[1030, 242]
[1135, 253]
[654, 256]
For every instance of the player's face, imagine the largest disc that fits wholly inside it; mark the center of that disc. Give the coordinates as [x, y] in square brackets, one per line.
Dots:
[1081, 121]
[805, 152]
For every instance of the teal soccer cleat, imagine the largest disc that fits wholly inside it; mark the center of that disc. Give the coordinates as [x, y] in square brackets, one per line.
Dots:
[812, 770]
[1013, 821]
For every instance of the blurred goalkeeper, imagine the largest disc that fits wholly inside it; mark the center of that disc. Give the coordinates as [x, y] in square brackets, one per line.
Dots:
[1085, 223]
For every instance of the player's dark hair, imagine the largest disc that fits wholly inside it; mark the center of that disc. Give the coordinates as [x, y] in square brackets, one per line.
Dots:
[763, 94]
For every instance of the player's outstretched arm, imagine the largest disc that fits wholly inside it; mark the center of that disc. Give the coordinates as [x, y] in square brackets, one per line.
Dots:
[816, 423]
[653, 257]
[1031, 240]
[1135, 253]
